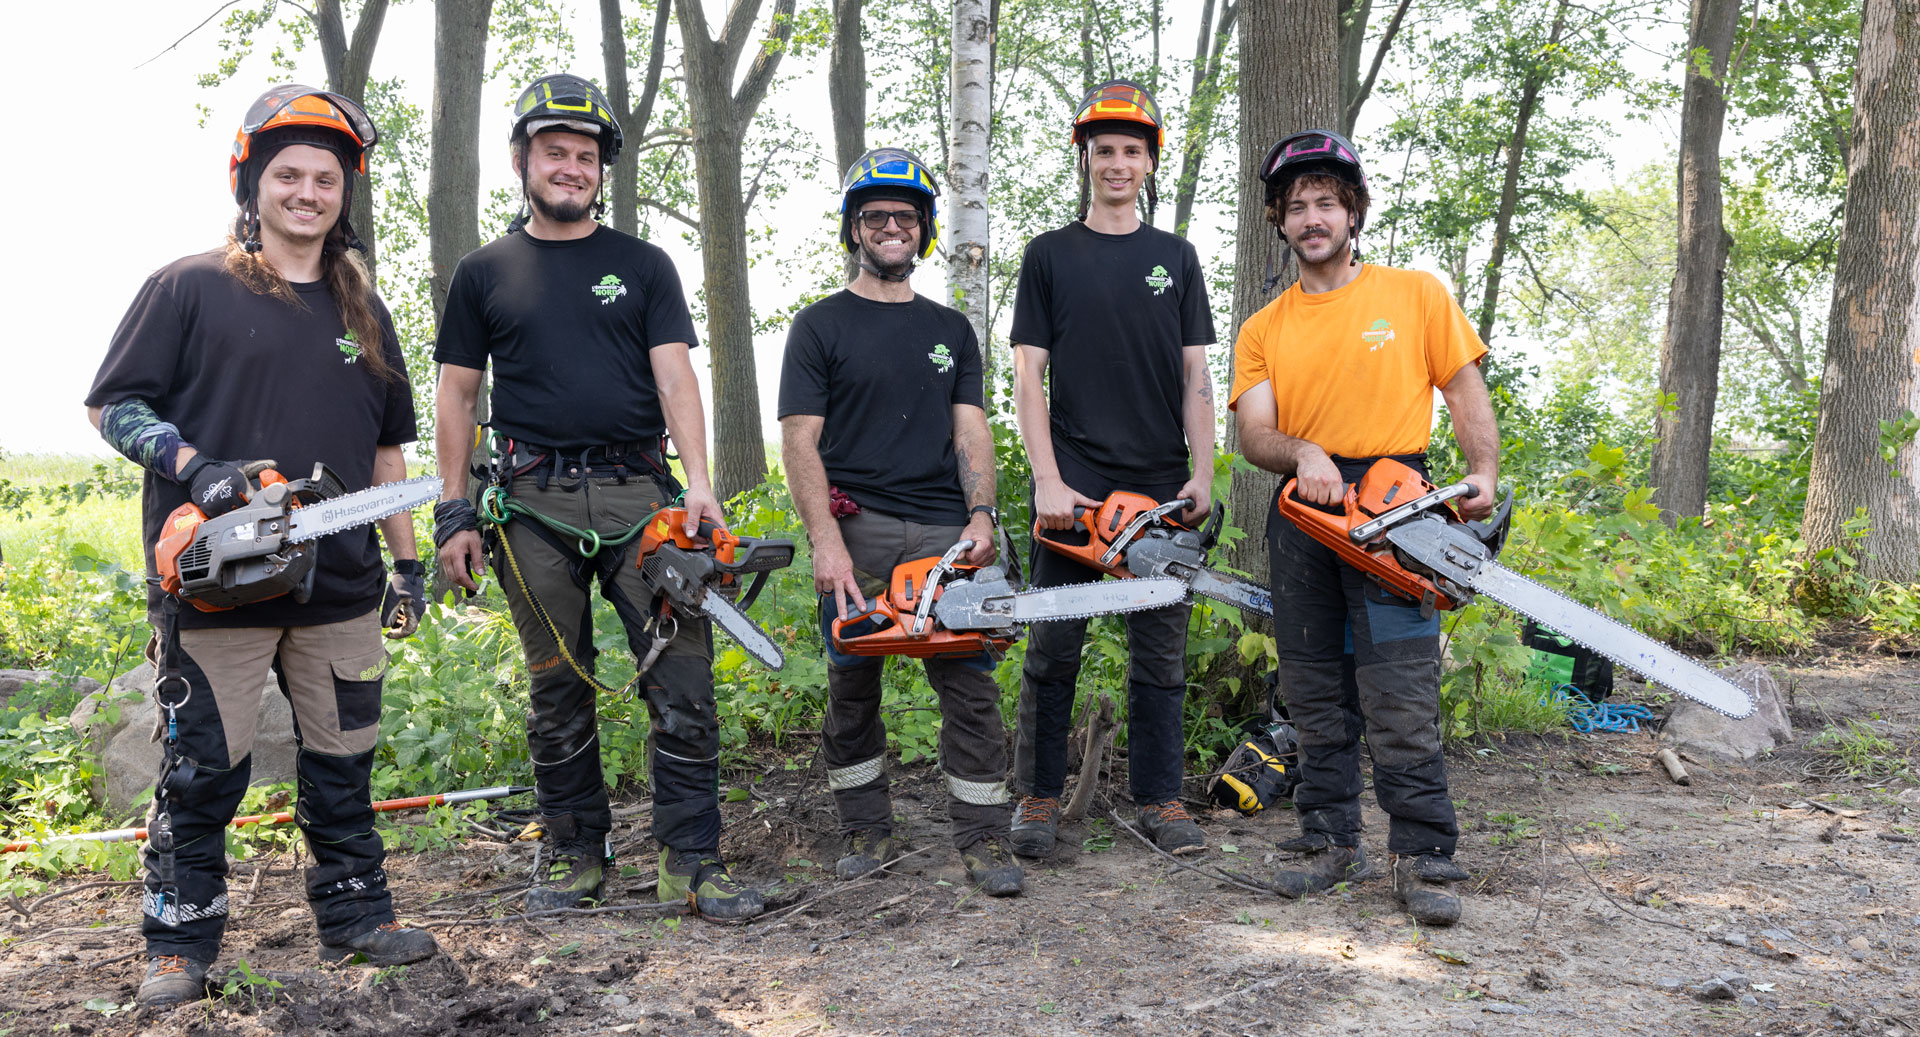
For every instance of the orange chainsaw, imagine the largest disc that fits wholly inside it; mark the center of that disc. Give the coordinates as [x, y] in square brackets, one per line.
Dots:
[1135, 537]
[943, 607]
[1402, 531]
[701, 576]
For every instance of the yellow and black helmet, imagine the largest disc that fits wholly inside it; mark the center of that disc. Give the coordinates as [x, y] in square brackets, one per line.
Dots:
[563, 101]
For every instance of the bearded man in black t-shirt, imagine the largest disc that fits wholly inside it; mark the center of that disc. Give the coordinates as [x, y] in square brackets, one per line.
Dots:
[588, 332]
[1117, 310]
[884, 434]
[274, 347]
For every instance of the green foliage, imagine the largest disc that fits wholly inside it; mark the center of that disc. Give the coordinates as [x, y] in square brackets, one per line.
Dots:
[1860, 749]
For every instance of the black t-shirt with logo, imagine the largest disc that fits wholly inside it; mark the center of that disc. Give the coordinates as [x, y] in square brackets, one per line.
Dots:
[1114, 311]
[885, 376]
[569, 325]
[247, 377]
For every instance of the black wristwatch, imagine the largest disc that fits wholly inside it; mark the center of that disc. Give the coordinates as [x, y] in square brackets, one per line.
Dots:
[993, 513]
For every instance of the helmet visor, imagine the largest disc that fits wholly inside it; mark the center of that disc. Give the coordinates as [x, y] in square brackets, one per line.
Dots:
[351, 117]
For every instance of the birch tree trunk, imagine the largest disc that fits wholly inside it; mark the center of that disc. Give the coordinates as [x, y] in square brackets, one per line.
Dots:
[1870, 390]
[967, 173]
[1690, 353]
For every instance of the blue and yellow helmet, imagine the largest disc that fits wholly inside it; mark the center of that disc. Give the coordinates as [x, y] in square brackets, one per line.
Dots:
[896, 173]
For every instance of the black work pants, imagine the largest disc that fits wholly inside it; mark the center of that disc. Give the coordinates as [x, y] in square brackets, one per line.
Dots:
[1391, 695]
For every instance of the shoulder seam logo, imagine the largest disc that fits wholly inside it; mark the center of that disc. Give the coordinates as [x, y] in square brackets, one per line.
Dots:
[609, 289]
[1159, 280]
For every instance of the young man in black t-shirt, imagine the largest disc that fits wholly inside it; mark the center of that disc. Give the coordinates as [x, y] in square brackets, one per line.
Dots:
[275, 347]
[1117, 310]
[588, 333]
[884, 434]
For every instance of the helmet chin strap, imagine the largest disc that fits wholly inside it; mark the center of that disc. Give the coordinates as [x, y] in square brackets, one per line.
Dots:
[868, 265]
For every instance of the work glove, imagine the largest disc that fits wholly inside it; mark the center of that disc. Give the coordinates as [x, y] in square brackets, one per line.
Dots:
[406, 595]
[215, 487]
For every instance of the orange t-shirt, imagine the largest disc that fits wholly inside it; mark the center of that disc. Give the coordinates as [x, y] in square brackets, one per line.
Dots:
[1354, 369]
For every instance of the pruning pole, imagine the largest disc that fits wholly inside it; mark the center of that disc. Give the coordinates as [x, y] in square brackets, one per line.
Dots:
[123, 835]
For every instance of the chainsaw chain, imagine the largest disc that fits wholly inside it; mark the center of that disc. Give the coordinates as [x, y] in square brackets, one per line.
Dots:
[361, 520]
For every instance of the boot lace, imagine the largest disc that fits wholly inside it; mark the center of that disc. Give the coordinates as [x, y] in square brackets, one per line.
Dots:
[168, 964]
[1035, 809]
[1169, 812]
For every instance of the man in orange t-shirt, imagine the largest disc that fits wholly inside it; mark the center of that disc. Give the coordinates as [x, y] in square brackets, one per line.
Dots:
[1336, 373]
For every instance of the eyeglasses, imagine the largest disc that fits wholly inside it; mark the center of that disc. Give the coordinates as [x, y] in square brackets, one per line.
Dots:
[874, 219]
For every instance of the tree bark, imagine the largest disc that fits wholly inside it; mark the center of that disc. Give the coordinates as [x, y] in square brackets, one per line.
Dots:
[1510, 184]
[1205, 95]
[624, 197]
[1696, 305]
[453, 173]
[847, 94]
[1872, 372]
[1289, 80]
[348, 64]
[721, 115]
[1354, 90]
[967, 173]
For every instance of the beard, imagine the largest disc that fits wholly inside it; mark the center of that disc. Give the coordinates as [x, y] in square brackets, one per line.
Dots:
[558, 212]
[1340, 241]
[897, 270]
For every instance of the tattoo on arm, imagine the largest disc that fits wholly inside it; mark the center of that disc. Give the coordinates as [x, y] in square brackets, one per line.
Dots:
[970, 478]
[1206, 387]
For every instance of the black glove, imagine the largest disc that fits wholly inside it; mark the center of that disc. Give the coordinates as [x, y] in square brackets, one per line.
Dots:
[215, 487]
[406, 596]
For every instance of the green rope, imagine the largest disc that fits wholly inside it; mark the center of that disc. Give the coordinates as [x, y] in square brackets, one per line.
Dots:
[498, 507]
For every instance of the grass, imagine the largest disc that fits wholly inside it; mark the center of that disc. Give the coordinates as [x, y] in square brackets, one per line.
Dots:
[108, 522]
[1862, 751]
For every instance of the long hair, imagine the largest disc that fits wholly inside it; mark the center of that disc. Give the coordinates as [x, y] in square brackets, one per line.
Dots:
[347, 278]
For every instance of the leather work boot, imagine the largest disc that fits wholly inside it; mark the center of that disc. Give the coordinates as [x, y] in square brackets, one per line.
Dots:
[1305, 842]
[991, 867]
[1324, 871]
[1036, 826]
[867, 851]
[383, 945]
[702, 881]
[573, 876]
[1424, 883]
[1172, 829]
[173, 980]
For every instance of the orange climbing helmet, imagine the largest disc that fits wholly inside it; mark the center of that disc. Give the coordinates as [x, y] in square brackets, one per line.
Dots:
[294, 114]
[1120, 106]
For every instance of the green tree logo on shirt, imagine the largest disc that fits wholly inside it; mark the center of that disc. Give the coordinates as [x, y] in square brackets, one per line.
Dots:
[609, 289]
[1379, 335]
[942, 358]
[1158, 280]
[350, 345]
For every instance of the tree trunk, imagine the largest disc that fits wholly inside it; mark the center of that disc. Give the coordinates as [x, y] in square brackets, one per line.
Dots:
[967, 173]
[453, 174]
[624, 196]
[847, 94]
[1352, 41]
[1510, 183]
[720, 118]
[1354, 90]
[1690, 353]
[1205, 97]
[348, 63]
[1872, 373]
[1289, 79]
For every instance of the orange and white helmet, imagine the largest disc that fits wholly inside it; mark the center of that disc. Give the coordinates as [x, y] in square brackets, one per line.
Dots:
[295, 114]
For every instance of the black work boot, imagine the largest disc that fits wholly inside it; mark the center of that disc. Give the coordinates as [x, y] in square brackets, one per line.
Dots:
[991, 867]
[173, 980]
[1305, 842]
[1324, 871]
[868, 850]
[1171, 828]
[1036, 826]
[701, 879]
[1424, 883]
[383, 945]
[570, 876]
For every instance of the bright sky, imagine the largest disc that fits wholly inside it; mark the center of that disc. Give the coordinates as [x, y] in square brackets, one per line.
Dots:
[141, 184]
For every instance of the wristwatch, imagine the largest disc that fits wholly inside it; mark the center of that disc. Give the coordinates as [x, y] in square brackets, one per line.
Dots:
[993, 514]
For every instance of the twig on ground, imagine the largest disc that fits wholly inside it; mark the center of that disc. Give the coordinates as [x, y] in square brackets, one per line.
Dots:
[1251, 988]
[869, 877]
[1214, 875]
[1776, 925]
[29, 909]
[115, 960]
[1540, 902]
[674, 908]
[1602, 890]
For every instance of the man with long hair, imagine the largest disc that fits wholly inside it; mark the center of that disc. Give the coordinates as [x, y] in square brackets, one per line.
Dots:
[883, 428]
[588, 332]
[274, 347]
[1117, 311]
[1336, 373]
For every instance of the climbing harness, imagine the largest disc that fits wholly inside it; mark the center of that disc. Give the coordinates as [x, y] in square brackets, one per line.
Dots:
[176, 772]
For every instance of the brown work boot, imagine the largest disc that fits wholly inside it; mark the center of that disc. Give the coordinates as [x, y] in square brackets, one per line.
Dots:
[1324, 871]
[992, 868]
[1424, 883]
[1036, 826]
[868, 851]
[394, 943]
[173, 980]
[1172, 829]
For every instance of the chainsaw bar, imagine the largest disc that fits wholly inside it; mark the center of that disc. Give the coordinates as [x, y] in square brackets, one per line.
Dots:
[744, 631]
[326, 517]
[1241, 594]
[1086, 600]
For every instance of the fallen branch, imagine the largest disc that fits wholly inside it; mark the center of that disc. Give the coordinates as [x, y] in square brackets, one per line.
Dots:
[1100, 732]
[673, 908]
[29, 909]
[1251, 988]
[1603, 892]
[1671, 762]
[1117, 819]
[869, 877]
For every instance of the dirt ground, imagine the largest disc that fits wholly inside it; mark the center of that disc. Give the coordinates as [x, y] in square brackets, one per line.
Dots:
[1604, 896]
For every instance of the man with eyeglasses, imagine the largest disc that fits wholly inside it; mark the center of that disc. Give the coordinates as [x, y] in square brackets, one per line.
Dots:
[884, 434]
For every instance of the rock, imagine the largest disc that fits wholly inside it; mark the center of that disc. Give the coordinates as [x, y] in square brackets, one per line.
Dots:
[1749, 1001]
[1860, 891]
[616, 1000]
[1735, 980]
[1669, 983]
[1507, 1008]
[12, 681]
[1715, 990]
[1733, 939]
[1695, 727]
[130, 756]
[1859, 943]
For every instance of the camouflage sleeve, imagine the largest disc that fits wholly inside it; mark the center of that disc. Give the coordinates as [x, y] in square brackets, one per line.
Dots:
[132, 428]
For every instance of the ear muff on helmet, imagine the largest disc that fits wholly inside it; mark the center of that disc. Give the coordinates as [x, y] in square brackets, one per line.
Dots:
[292, 114]
[890, 172]
[566, 101]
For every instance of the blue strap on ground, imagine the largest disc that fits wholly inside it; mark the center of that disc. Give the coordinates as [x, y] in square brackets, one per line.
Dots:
[1585, 716]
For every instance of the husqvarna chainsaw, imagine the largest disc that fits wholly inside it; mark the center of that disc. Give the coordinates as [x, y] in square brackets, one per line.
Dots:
[1135, 537]
[1401, 530]
[703, 575]
[265, 547]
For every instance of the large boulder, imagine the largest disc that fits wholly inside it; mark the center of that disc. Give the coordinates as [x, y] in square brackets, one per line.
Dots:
[12, 681]
[1693, 726]
[130, 754]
